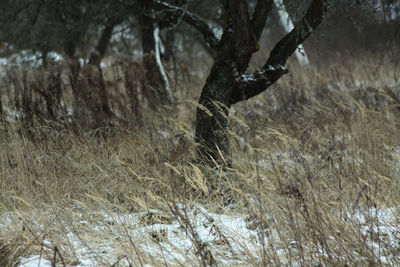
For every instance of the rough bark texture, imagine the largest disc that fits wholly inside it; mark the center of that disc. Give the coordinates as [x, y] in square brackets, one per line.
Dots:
[100, 50]
[212, 114]
[285, 47]
[234, 52]
[2, 118]
[223, 88]
[191, 19]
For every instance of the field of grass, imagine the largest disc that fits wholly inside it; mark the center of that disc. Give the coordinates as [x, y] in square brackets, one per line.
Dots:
[315, 181]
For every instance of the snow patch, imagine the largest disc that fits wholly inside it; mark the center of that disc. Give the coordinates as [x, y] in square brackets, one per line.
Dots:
[35, 261]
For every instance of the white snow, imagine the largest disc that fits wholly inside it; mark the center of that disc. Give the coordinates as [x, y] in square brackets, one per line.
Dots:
[228, 236]
[35, 261]
[26, 57]
[174, 244]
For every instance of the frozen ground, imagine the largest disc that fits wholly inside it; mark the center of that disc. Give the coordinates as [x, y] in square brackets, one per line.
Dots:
[89, 237]
[104, 238]
[157, 235]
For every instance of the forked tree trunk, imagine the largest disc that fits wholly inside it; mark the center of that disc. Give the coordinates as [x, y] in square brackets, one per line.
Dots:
[233, 53]
[227, 84]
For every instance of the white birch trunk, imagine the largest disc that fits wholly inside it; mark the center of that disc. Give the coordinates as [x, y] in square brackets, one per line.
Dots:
[159, 63]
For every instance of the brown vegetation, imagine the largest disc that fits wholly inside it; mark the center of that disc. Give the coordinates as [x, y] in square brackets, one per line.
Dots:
[309, 156]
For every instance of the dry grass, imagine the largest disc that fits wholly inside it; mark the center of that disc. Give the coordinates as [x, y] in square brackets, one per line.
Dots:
[315, 178]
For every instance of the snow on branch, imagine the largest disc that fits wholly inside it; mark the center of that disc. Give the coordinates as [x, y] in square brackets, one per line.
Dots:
[247, 86]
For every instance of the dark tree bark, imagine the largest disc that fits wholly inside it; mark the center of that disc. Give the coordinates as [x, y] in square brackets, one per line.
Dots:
[146, 30]
[92, 108]
[102, 108]
[227, 84]
[2, 118]
[222, 89]
[153, 80]
[133, 80]
[169, 44]
[98, 54]
[191, 19]
[234, 51]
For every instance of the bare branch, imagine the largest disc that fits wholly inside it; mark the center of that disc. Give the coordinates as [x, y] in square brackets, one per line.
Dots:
[98, 54]
[247, 31]
[288, 44]
[245, 40]
[247, 86]
[190, 18]
[260, 16]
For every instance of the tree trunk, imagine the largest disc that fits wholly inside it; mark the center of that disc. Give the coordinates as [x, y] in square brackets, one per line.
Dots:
[156, 88]
[233, 53]
[2, 115]
[91, 92]
[286, 22]
[51, 90]
[92, 108]
[227, 84]
[133, 80]
[212, 115]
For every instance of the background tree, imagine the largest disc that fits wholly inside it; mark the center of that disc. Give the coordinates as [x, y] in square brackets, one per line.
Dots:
[65, 27]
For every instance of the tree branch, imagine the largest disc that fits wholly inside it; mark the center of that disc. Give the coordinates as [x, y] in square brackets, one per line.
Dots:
[260, 16]
[245, 40]
[288, 44]
[98, 54]
[247, 86]
[190, 18]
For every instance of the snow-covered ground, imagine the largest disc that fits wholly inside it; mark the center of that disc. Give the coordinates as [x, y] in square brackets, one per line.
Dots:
[25, 57]
[35, 261]
[104, 238]
[157, 235]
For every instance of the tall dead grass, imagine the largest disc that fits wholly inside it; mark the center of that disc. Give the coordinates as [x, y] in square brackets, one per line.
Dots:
[315, 173]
